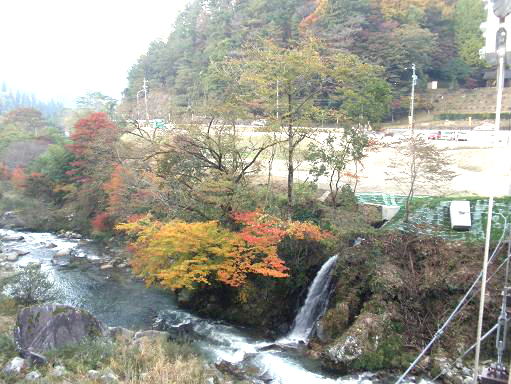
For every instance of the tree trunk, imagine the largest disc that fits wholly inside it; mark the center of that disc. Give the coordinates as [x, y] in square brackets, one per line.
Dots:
[290, 172]
[290, 159]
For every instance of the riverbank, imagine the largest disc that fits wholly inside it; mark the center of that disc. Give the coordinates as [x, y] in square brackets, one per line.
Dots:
[372, 301]
[151, 359]
[118, 300]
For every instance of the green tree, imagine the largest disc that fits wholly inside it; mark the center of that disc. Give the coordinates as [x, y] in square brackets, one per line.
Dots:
[468, 16]
[419, 164]
[29, 120]
[97, 102]
[332, 158]
[54, 163]
[204, 171]
[312, 88]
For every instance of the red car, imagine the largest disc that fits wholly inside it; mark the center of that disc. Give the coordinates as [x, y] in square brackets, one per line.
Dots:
[435, 135]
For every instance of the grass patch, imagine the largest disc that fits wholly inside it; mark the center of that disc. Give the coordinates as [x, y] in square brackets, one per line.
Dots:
[8, 306]
[149, 361]
[80, 358]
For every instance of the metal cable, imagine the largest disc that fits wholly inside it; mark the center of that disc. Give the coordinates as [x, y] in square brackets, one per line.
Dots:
[505, 262]
[456, 310]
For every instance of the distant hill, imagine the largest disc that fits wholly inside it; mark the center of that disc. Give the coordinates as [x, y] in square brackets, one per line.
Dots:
[12, 99]
[441, 37]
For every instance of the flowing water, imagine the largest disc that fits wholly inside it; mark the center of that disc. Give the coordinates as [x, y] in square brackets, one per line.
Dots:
[116, 298]
[315, 305]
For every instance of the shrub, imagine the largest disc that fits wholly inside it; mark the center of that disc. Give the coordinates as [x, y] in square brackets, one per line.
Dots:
[79, 358]
[30, 286]
[7, 348]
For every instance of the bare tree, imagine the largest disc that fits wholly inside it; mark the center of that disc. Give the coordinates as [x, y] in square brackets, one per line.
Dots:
[419, 165]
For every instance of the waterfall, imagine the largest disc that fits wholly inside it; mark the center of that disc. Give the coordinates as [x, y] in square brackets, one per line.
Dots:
[314, 306]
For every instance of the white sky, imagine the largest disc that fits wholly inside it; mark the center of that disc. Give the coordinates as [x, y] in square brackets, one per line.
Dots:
[62, 49]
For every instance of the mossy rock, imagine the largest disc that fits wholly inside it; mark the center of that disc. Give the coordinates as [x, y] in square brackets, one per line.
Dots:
[41, 328]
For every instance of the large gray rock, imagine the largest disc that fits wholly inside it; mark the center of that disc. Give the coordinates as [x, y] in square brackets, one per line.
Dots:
[12, 257]
[360, 339]
[149, 336]
[15, 366]
[120, 332]
[58, 371]
[62, 253]
[33, 376]
[44, 327]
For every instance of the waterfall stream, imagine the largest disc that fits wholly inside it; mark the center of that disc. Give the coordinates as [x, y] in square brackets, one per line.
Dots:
[117, 299]
[314, 306]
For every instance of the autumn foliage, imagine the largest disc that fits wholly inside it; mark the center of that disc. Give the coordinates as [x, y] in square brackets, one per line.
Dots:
[93, 140]
[19, 178]
[100, 222]
[188, 255]
[320, 6]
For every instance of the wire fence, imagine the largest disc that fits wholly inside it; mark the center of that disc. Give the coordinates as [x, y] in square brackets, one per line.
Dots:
[430, 215]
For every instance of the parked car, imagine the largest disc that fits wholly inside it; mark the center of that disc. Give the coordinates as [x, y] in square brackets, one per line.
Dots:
[435, 135]
[260, 123]
[485, 127]
[443, 135]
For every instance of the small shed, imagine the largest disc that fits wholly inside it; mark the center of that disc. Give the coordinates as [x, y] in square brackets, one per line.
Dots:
[460, 215]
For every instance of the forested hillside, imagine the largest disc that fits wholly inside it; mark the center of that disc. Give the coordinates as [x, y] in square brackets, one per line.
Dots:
[441, 37]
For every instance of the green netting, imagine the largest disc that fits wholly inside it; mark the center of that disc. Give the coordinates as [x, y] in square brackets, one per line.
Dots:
[430, 215]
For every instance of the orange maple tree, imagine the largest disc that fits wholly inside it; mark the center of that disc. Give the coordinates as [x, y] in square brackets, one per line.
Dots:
[186, 255]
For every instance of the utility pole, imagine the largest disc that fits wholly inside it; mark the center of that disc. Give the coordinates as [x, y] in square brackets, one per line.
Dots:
[483, 288]
[138, 109]
[501, 56]
[412, 97]
[145, 99]
[144, 89]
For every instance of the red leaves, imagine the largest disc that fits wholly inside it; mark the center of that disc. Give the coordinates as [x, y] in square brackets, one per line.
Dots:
[100, 222]
[19, 178]
[257, 251]
[96, 125]
[114, 188]
[93, 137]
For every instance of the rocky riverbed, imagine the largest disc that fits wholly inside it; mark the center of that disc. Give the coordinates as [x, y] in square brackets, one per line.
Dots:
[97, 280]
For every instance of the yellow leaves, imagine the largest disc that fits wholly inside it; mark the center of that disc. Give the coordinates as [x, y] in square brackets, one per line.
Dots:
[305, 231]
[187, 255]
[395, 9]
[178, 254]
[65, 188]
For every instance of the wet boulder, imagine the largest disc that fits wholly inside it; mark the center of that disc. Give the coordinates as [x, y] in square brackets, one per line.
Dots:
[12, 238]
[182, 332]
[149, 336]
[234, 370]
[361, 339]
[44, 327]
[20, 252]
[62, 253]
[12, 257]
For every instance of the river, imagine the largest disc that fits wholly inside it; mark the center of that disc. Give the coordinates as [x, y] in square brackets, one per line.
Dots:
[117, 299]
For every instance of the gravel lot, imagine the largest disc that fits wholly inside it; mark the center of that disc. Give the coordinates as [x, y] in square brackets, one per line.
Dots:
[482, 163]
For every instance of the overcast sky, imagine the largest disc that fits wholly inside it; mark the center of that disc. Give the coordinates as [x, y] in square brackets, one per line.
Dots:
[62, 49]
